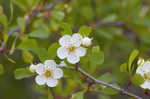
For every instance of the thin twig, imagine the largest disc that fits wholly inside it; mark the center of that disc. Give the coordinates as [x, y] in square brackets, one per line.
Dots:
[95, 81]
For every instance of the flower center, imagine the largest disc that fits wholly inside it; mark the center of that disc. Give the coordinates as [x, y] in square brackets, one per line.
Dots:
[71, 48]
[147, 76]
[48, 73]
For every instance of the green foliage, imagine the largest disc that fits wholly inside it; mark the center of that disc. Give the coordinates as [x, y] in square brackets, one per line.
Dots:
[1, 69]
[78, 95]
[21, 73]
[137, 79]
[38, 41]
[123, 67]
[39, 33]
[132, 57]
[52, 50]
[85, 30]
[67, 29]
[27, 56]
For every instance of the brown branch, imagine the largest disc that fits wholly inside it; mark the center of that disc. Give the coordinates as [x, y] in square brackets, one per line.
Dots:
[95, 81]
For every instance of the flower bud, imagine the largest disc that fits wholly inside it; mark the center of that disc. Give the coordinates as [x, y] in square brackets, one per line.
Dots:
[86, 41]
[32, 68]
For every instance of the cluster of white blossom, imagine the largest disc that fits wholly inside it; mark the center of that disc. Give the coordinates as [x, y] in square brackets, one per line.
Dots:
[144, 70]
[48, 73]
[73, 47]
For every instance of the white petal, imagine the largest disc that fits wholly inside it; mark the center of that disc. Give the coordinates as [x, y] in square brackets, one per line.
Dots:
[52, 82]
[76, 39]
[146, 85]
[73, 58]
[40, 79]
[32, 68]
[62, 52]
[62, 64]
[57, 73]
[80, 51]
[50, 64]
[77, 36]
[65, 40]
[40, 69]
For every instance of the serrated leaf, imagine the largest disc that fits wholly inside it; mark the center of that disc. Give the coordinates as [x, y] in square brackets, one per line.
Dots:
[78, 95]
[85, 30]
[52, 50]
[67, 29]
[22, 73]
[1, 69]
[123, 67]
[132, 57]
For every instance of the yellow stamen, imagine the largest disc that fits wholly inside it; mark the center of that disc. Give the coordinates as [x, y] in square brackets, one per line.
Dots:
[147, 76]
[71, 48]
[48, 73]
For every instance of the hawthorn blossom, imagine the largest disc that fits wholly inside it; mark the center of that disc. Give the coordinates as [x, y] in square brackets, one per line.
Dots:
[144, 71]
[32, 68]
[48, 73]
[71, 48]
[86, 41]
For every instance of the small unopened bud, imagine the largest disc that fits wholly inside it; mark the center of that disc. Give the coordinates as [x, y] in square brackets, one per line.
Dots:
[86, 41]
[32, 68]
[140, 61]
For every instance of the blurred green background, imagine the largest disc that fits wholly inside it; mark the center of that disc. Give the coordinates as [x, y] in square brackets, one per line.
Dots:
[117, 42]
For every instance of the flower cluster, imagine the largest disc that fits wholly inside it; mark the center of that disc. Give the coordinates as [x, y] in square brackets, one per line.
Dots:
[48, 73]
[71, 47]
[144, 71]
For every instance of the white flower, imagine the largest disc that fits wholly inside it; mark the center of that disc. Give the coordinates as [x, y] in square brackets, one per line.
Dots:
[144, 68]
[48, 73]
[146, 84]
[86, 41]
[71, 48]
[144, 71]
[32, 68]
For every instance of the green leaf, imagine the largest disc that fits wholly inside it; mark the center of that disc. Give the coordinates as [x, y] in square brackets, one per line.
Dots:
[110, 18]
[137, 79]
[110, 91]
[21, 73]
[28, 44]
[58, 15]
[78, 95]
[21, 24]
[39, 33]
[52, 50]
[96, 56]
[85, 30]
[1, 69]
[3, 20]
[42, 53]
[123, 67]
[27, 56]
[67, 29]
[107, 77]
[132, 57]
